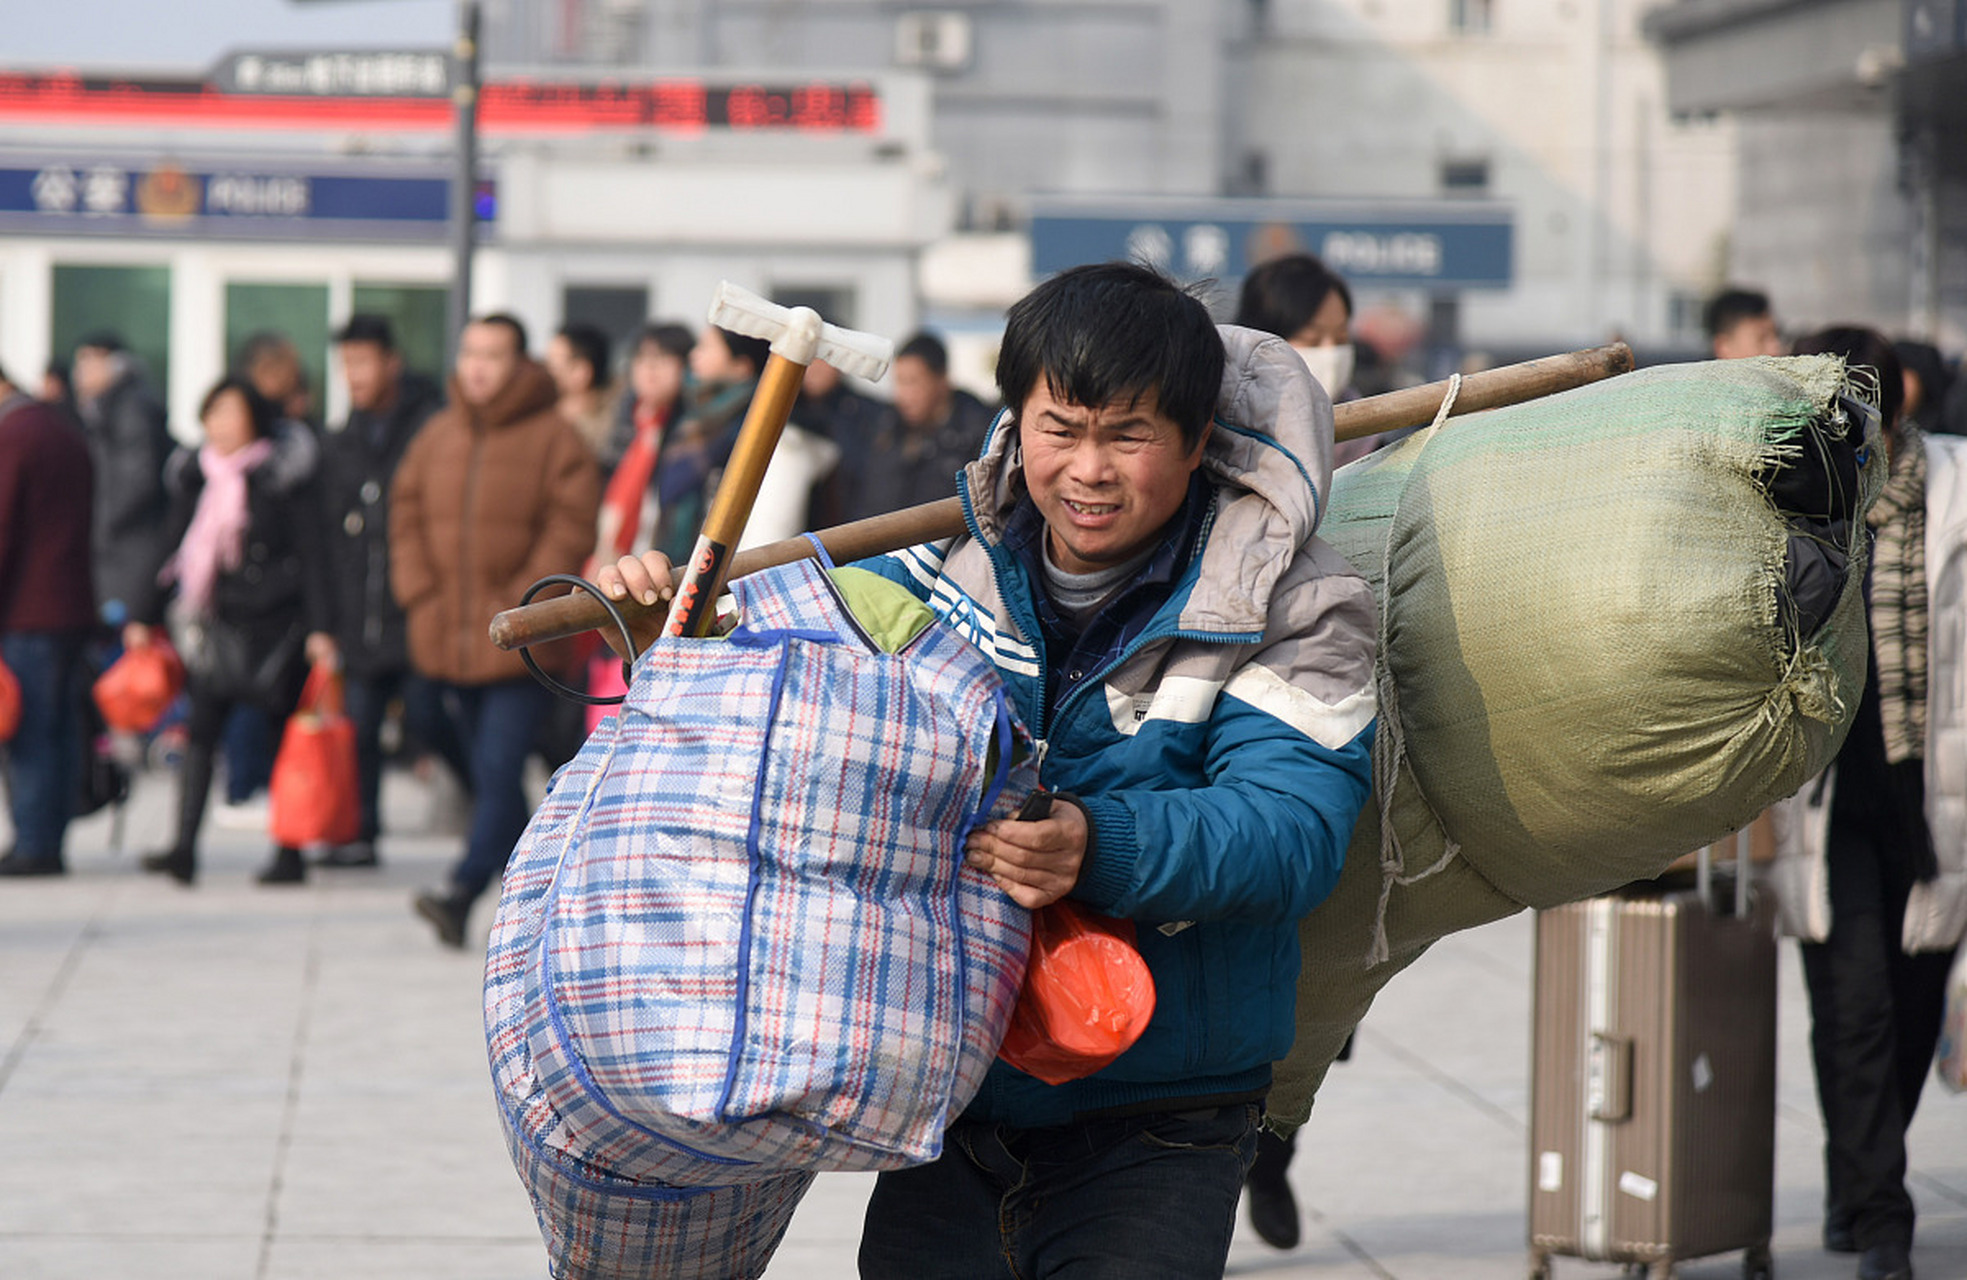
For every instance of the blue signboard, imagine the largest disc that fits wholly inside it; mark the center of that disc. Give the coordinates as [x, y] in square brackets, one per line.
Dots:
[93, 196]
[1398, 246]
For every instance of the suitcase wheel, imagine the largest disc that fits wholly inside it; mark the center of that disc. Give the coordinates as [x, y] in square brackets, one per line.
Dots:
[1540, 1266]
[1758, 1265]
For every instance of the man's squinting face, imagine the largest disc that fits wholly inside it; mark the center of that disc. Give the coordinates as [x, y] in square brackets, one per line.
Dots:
[1105, 479]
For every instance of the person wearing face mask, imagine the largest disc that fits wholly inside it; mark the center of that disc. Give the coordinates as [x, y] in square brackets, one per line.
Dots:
[1304, 302]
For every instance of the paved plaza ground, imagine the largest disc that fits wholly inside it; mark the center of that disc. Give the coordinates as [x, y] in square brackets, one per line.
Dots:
[243, 1083]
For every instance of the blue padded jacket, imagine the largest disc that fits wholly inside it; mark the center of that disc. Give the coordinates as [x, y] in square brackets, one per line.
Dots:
[1223, 754]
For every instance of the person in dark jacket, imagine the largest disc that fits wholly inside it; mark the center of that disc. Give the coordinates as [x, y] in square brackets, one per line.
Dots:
[248, 570]
[128, 443]
[935, 430]
[830, 408]
[1877, 996]
[386, 409]
[47, 609]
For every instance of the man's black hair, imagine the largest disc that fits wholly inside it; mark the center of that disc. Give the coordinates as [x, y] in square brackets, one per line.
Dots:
[591, 347]
[103, 340]
[258, 407]
[1283, 295]
[521, 340]
[929, 349]
[1114, 332]
[1730, 307]
[668, 337]
[370, 328]
[756, 350]
[1865, 349]
[5, 380]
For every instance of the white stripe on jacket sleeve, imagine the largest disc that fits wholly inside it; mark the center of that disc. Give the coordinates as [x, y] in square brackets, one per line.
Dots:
[1330, 725]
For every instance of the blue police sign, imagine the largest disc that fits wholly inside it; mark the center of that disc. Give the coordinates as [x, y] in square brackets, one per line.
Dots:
[95, 196]
[1436, 246]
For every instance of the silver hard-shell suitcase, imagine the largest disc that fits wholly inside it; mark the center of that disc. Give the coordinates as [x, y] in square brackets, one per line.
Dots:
[1653, 1081]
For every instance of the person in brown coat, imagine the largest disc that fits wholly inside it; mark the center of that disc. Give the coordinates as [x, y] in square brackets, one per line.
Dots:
[497, 491]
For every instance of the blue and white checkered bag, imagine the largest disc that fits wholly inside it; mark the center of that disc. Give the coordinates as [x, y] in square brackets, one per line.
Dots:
[738, 942]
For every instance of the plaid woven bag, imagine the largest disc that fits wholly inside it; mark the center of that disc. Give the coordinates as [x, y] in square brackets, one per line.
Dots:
[738, 944]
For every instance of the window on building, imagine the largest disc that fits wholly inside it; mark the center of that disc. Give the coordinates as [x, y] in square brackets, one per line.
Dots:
[1465, 176]
[835, 303]
[417, 313]
[131, 302]
[1471, 17]
[617, 312]
[297, 311]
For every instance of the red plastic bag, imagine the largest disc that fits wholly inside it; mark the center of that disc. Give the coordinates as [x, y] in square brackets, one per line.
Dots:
[1087, 995]
[9, 703]
[139, 687]
[314, 797]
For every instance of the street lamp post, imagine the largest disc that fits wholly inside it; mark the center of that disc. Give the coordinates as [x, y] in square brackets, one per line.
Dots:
[464, 179]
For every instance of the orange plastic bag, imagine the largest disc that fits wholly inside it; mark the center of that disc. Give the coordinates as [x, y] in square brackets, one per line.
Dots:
[139, 687]
[1087, 995]
[314, 797]
[9, 703]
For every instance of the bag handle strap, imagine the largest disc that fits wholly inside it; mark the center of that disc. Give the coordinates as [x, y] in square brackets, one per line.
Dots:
[1002, 774]
[322, 694]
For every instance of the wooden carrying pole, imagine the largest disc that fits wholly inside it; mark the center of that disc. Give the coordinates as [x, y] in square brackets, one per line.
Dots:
[1414, 407]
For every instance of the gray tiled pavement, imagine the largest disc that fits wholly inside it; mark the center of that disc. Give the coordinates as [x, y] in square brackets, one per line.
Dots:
[238, 1083]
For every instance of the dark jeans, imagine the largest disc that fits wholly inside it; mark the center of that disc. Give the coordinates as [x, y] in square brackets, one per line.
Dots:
[250, 745]
[1134, 1199]
[424, 720]
[47, 748]
[1874, 1020]
[205, 725]
[498, 724]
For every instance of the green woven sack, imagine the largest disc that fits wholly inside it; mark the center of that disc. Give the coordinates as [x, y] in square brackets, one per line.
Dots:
[1584, 651]
[1586, 666]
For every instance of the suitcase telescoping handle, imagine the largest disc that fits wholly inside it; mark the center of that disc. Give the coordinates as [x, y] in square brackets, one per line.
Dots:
[1704, 875]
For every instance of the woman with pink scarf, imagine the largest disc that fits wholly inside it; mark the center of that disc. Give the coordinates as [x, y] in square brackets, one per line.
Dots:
[247, 566]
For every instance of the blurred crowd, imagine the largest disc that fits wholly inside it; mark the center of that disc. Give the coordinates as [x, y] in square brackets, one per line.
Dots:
[380, 547]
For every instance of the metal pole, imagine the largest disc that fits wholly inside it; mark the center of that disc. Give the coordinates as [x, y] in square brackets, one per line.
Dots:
[464, 178]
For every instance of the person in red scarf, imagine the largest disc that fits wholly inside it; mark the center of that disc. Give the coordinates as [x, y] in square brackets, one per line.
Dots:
[248, 567]
[656, 373]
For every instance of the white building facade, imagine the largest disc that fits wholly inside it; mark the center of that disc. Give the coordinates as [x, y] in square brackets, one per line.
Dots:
[1554, 108]
[604, 203]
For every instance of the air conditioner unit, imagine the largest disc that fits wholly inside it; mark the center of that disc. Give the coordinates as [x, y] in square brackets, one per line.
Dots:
[939, 41]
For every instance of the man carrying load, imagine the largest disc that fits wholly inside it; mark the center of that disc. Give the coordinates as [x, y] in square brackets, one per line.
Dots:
[1140, 567]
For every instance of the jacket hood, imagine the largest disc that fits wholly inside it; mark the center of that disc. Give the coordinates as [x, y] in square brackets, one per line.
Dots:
[1269, 455]
[529, 391]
